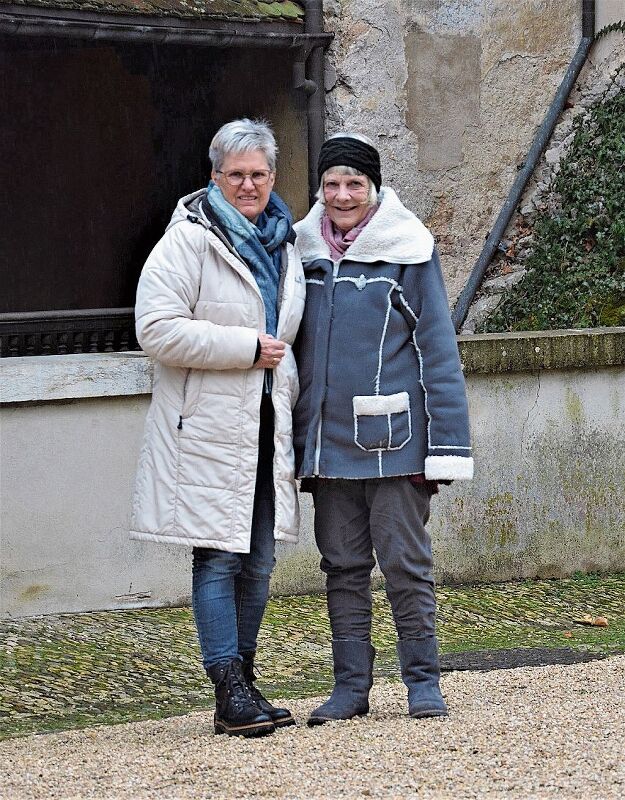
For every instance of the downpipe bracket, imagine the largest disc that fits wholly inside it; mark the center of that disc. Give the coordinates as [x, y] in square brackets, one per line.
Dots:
[300, 81]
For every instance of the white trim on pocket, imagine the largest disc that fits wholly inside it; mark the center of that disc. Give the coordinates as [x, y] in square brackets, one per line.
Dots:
[372, 405]
[382, 406]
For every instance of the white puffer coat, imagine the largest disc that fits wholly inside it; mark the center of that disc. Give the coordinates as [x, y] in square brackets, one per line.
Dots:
[199, 312]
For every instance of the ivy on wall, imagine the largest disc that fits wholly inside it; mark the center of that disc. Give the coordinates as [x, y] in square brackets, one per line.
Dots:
[576, 272]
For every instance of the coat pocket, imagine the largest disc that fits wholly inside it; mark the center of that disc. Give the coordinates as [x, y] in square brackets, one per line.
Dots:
[191, 392]
[382, 422]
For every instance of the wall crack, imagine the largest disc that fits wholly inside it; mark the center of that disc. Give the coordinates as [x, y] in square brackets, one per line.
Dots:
[529, 414]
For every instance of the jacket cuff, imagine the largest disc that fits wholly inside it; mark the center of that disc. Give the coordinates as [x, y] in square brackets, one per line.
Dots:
[453, 468]
[258, 349]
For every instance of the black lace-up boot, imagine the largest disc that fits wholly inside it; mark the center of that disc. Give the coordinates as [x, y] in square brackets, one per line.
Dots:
[281, 717]
[236, 713]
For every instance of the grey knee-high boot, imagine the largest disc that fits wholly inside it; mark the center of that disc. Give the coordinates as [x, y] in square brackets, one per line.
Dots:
[420, 671]
[353, 678]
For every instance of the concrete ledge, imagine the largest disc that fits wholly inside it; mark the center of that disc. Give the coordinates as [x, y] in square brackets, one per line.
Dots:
[528, 351]
[41, 378]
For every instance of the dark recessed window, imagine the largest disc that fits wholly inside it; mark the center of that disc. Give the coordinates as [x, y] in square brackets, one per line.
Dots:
[99, 140]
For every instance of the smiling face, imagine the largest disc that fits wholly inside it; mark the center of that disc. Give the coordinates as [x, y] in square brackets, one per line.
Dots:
[346, 199]
[248, 198]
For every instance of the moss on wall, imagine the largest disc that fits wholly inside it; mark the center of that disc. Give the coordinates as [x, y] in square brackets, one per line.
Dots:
[532, 351]
[576, 271]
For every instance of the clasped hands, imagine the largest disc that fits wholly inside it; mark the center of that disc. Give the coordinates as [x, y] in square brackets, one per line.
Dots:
[271, 351]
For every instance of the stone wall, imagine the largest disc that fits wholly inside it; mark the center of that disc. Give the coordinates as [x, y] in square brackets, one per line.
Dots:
[452, 93]
[548, 499]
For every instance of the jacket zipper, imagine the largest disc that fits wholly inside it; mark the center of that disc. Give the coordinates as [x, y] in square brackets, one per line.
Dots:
[184, 398]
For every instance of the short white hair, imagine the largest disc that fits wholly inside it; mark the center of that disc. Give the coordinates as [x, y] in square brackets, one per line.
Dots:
[372, 195]
[243, 136]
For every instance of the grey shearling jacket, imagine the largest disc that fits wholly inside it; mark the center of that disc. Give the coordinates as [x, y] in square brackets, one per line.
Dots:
[381, 387]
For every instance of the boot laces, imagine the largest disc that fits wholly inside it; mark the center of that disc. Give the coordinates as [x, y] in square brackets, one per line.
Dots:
[253, 672]
[237, 687]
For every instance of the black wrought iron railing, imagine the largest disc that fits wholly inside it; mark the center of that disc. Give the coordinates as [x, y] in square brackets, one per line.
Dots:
[100, 330]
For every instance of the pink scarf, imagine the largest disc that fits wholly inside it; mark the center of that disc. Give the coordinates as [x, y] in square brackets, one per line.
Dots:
[337, 240]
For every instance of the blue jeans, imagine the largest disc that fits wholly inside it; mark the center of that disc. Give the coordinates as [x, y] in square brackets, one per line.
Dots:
[230, 590]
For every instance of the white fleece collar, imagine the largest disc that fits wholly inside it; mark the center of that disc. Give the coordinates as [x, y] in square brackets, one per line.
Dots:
[394, 235]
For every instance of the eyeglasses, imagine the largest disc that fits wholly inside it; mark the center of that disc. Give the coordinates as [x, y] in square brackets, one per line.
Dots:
[235, 178]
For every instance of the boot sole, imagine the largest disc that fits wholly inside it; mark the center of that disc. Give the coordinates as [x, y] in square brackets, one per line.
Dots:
[255, 729]
[434, 712]
[313, 721]
[284, 723]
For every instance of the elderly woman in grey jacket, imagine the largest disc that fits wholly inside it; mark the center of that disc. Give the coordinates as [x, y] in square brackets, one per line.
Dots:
[218, 305]
[381, 418]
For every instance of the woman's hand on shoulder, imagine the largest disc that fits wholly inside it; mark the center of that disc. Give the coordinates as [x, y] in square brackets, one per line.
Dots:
[271, 351]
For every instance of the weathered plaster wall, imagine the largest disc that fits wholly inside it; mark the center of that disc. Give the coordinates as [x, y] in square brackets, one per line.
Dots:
[607, 12]
[452, 93]
[549, 498]
[548, 415]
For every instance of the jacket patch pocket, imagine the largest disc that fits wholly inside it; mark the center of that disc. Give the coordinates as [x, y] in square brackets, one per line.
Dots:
[382, 422]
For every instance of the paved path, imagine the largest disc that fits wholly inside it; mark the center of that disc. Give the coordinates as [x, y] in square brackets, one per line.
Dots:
[532, 732]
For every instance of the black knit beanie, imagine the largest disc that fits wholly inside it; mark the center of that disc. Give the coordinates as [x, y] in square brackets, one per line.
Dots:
[345, 151]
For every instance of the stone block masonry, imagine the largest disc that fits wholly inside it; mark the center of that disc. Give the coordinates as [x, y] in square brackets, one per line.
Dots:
[452, 93]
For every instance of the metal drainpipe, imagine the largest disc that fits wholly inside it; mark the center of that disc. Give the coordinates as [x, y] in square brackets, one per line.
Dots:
[151, 30]
[308, 69]
[316, 100]
[461, 308]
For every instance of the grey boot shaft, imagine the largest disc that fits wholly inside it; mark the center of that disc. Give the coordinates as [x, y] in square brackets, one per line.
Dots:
[420, 671]
[353, 679]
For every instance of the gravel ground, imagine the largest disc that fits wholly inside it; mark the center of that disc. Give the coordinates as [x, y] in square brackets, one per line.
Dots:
[532, 732]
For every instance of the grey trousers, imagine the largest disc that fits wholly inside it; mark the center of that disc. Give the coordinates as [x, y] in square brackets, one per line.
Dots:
[354, 517]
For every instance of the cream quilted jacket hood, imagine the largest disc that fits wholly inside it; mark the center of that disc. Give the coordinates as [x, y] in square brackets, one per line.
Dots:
[198, 315]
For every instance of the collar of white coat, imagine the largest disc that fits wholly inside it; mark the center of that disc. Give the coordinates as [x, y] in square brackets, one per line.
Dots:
[394, 235]
[189, 204]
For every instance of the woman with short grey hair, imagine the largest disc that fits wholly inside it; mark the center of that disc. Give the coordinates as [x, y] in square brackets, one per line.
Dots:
[243, 135]
[381, 418]
[218, 306]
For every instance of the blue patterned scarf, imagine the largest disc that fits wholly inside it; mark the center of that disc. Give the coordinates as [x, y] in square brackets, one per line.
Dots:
[257, 244]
